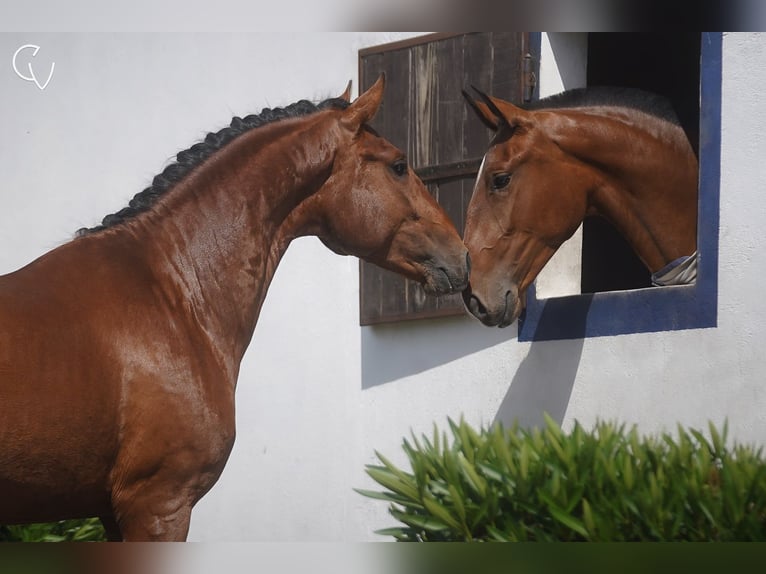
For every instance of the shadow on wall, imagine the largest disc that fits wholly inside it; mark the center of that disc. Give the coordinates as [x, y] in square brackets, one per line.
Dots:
[545, 377]
[542, 383]
[396, 350]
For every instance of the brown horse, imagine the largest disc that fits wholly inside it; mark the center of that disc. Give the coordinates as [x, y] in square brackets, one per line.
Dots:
[120, 350]
[617, 154]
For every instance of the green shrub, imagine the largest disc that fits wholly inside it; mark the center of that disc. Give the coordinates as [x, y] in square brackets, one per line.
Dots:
[81, 530]
[607, 484]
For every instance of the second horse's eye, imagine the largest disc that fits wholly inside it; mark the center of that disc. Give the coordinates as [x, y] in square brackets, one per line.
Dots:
[500, 180]
[399, 167]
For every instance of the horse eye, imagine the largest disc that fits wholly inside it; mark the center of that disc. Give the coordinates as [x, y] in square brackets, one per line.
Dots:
[500, 180]
[399, 168]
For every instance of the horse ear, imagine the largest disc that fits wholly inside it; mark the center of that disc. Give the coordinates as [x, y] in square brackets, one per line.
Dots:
[346, 95]
[486, 115]
[495, 112]
[365, 106]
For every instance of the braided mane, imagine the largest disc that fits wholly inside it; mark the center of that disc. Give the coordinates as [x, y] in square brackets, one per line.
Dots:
[189, 159]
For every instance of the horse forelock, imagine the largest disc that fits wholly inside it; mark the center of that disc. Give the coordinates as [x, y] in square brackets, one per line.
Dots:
[189, 159]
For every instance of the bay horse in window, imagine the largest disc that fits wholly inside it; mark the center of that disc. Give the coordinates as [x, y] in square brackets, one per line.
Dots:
[608, 152]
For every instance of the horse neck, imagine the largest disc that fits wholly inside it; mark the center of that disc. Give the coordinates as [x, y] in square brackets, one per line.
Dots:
[216, 239]
[647, 179]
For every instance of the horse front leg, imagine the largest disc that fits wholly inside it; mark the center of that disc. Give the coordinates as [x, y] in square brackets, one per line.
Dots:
[156, 506]
[160, 511]
[142, 524]
[174, 447]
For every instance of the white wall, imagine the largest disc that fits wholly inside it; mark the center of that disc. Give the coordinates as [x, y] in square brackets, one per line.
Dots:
[317, 393]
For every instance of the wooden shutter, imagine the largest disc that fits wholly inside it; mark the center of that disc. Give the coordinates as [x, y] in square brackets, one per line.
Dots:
[425, 114]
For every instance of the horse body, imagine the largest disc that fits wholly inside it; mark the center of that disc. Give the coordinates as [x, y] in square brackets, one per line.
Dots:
[38, 425]
[120, 350]
[548, 169]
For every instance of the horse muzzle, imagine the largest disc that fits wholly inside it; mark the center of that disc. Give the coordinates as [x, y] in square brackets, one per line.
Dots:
[498, 311]
[443, 277]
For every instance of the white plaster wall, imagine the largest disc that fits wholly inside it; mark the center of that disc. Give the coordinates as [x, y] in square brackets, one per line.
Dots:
[317, 393]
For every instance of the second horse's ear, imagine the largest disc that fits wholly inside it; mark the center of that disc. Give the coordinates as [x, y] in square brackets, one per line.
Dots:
[364, 108]
[495, 112]
[489, 117]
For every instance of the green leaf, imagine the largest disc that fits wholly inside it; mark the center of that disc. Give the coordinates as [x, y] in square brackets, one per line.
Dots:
[439, 488]
[428, 523]
[457, 500]
[553, 441]
[498, 536]
[392, 467]
[441, 513]
[392, 481]
[718, 441]
[587, 516]
[389, 496]
[524, 461]
[552, 425]
[627, 472]
[701, 439]
[491, 472]
[396, 532]
[568, 520]
[476, 482]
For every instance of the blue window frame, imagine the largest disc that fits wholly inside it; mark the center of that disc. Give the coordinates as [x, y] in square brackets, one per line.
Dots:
[659, 308]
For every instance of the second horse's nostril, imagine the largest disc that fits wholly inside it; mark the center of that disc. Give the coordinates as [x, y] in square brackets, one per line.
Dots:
[475, 306]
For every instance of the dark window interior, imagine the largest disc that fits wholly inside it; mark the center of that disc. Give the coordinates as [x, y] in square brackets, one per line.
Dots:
[668, 64]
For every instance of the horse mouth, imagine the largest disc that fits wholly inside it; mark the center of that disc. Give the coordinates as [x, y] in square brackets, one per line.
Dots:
[444, 280]
[511, 311]
[500, 317]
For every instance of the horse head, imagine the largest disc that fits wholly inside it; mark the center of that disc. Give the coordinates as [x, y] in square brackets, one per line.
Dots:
[529, 197]
[373, 205]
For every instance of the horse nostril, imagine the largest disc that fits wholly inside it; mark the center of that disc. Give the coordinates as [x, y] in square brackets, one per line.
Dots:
[468, 262]
[474, 305]
[482, 309]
